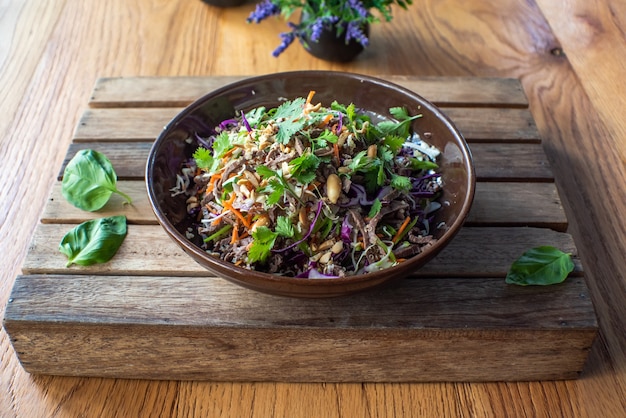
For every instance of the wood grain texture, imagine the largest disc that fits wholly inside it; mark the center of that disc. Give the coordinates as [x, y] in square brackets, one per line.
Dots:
[493, 162]
[495, 204]
[442, 91]
[148, 251]
[62, 47]
[145, 124]
[205, 337]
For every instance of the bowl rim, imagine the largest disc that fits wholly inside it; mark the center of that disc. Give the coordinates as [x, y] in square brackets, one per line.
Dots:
[377, 276]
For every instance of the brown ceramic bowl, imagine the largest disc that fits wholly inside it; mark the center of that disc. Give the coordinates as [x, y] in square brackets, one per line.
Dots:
[367, 93]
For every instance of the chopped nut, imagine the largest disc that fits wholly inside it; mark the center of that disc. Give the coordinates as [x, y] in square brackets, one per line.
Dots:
[333, 188]
[337, 247]
[263, 220]
[251, 178]
[324, 259]
[326, 245]
[372, 150]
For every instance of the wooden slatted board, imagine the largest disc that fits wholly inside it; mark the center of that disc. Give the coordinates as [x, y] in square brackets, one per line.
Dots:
[153, 313]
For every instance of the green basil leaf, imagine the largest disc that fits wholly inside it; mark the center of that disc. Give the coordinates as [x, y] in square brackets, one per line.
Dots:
[89, 181]
[543, 265]
[94, 241]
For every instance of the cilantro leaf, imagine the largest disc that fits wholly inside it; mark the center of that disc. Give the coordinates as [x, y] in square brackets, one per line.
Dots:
[222, 144]
[401, 183]
[401, 127]
[326, 136]
[349, 111]
[399, 113]
[394, 142]
[205, 161]
[276, 191]
[275, 188]
[262, 243]
[255, 116]
[287, 129]
[265, 172]
[303, 168]
[291, 112]
[291, 109]
[284, 227]
[359, 161]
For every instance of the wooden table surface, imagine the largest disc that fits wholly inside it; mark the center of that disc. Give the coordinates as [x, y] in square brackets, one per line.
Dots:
[570, 56]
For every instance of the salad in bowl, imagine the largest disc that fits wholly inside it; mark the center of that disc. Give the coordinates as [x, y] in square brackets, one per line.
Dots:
[311, 183]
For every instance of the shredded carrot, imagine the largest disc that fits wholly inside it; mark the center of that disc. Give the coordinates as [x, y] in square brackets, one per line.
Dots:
[212, 180]
[244, 235]
[229, 152]
[327, 119]
[235, 236]
[229, 205]
[400, 260]
[401, 229]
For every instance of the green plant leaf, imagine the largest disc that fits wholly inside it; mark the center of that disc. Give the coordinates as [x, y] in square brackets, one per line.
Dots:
[284, 227]
[375, 209]
[303, 167]
[89, 181]
[543, 265]
[94, 241]
[262, 243]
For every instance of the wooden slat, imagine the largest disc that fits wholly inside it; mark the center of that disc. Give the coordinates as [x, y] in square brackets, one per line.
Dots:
[137, 124]
[510, 162]
[179, 92]
[495, 204]
[147, 251]
[190, 328]
[493, 162]
[412, 303]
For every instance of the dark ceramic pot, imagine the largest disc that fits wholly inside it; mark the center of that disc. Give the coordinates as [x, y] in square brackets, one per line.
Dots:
[333, 47]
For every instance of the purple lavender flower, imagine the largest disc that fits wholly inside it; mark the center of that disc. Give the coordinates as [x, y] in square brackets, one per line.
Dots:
[355, 32]
[287, 39]
[263, 10]
[320, 24]
[357, 6]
